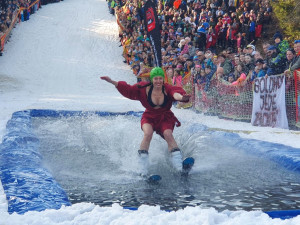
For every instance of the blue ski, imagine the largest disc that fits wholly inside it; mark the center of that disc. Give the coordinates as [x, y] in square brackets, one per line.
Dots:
[153, 179]
[187, 165]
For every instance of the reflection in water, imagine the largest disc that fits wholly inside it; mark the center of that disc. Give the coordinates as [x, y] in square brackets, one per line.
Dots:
[94, 160]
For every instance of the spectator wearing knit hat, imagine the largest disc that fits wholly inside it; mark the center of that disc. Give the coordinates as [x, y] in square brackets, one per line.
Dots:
[297, 47]
[281, 45]
[201, 38]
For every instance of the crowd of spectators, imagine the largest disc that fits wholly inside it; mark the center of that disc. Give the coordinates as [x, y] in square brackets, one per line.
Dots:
[201, 38]
[9, 10]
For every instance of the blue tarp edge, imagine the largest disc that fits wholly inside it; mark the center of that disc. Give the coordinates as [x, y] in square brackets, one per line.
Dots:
[27, 185]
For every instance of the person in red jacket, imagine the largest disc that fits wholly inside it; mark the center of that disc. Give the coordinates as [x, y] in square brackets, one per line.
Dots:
[211, 39]
[157, 97]
[231, 36]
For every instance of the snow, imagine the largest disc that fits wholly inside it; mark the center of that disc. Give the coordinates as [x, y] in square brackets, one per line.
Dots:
[54, 61]
[86, 213]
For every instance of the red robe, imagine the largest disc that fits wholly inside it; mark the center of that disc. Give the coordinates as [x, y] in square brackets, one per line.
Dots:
[162, 118]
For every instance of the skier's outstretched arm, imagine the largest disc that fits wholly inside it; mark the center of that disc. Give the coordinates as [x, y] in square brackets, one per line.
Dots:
[109, 80]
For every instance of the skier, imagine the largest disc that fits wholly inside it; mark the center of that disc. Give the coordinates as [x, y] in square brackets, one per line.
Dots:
[157, 97]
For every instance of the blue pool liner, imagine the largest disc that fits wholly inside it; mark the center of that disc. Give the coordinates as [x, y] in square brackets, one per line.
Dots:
[284, 155]
[30, 187]
[27, 184]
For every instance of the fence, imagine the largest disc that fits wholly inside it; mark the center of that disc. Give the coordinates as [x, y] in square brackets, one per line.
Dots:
[297, 96]
[235, 102]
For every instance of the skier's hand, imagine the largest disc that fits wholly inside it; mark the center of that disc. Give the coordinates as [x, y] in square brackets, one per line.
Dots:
[185, 98]
[106, 78]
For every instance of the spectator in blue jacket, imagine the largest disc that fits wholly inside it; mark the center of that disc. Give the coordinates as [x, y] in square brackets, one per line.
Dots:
[258, 70]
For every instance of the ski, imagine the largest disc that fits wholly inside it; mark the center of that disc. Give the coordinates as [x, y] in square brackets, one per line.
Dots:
[187, 165]
[153, 179]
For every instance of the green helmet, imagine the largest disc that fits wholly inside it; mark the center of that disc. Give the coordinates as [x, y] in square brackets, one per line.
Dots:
[157, 72]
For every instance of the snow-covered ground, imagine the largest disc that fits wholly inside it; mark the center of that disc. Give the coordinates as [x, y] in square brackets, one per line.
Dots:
[53, 61]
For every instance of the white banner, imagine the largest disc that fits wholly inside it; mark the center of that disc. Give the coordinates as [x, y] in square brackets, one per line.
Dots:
[269, 108]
